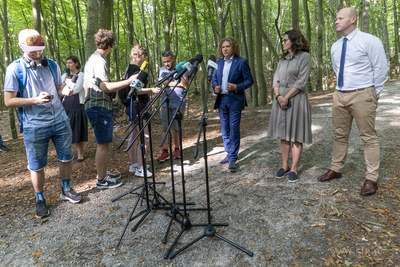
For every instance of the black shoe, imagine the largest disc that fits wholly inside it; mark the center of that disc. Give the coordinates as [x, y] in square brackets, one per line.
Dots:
[232, 166]
[281, 173]
[107, 182]
[224, 161]
[3, 148]
[41, 209]
[71, 196]
[293, 177]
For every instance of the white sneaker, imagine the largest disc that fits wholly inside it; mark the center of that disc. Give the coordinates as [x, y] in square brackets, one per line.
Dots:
[133, 167]
[139, 172]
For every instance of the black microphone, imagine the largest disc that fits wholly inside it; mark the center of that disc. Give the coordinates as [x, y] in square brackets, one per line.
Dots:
[68, 72]
[186, 67]
[211, 66]
[137, 84]
[197, 60]
[74, 78]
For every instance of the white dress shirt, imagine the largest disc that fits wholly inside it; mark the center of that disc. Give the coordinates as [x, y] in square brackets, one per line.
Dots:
[365, 63]
[225, 75]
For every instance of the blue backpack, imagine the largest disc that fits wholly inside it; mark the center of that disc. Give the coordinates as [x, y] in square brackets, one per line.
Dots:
[20, 71]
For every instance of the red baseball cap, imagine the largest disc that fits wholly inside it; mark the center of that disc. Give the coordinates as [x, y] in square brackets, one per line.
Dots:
[30, 40]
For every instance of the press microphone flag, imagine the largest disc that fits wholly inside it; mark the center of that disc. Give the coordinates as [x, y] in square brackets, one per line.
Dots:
[138, 83]
[211, 66]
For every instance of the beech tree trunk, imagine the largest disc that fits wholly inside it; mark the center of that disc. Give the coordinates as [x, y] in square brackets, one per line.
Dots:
[98, 17]
[259, 55]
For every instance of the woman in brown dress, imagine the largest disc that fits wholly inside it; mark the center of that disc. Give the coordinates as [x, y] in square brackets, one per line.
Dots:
[290, 119]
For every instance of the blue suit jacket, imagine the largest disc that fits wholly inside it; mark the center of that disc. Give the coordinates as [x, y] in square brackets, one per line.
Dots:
[239, 74]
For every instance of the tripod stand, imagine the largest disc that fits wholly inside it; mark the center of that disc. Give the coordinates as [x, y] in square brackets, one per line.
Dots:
[144, 192]
[209, 231]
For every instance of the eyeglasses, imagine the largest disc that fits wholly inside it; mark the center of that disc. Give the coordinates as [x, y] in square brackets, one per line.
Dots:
[285, 40]
[167, 54]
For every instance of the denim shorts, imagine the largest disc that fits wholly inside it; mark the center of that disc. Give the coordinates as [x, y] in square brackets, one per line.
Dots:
[101, 120]
[164, 117]
[37, 143]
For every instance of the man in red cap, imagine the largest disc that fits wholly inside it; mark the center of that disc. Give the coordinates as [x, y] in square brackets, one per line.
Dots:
[33, 84]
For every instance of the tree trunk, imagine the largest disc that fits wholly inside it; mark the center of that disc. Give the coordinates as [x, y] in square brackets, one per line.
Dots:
[98, 17]
[37, 10]
[47, 35]
[364, 15]
[157, 57]
[55, 36]
[81, 49]
[254, 88]
[396, 38]
[307, 33]
[259, 54]
[295, 15]
[242, 29]
[222, 17]
[115, 50]
[167, 23]
[199, 50]
[320, 45]
[7, 61]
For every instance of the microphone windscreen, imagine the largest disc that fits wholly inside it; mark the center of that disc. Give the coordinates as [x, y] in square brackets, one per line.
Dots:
[179, 66]
[212, 58]
[68, 71]
[199, 58]
[192, 60]
[142, 76]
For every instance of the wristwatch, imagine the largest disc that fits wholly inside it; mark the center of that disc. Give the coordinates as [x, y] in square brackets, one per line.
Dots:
[276, 97]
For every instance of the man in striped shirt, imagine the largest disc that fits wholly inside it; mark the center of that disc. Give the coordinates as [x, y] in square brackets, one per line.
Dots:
[98, 104]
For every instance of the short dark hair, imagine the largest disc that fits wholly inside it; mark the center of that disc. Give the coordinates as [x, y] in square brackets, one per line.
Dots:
[167, 54]
[75, 60]
[103, 39]
[299, 42]
[235, 46]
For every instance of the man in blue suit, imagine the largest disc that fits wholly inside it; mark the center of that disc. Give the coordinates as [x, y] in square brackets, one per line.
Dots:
[230, 80]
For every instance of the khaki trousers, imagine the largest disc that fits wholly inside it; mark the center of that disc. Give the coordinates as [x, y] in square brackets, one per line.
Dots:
[360, 105]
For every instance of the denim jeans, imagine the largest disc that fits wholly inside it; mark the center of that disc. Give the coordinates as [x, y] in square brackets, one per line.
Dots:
[37, 143]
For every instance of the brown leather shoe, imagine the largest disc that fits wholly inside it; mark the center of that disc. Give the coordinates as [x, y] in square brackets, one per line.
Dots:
[369, 188]
[329, 176]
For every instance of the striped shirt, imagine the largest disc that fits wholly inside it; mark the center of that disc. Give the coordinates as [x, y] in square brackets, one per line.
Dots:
[95, 73]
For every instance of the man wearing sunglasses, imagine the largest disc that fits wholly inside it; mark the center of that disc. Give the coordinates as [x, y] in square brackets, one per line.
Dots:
[175, 98]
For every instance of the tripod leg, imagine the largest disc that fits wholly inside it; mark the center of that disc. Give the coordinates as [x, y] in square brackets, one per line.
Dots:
[146, 212]
[186, 246]
[129, 219]
[236, 246]
[164, 241]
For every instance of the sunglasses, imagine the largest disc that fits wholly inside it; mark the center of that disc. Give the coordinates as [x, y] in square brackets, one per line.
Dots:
[167, 54]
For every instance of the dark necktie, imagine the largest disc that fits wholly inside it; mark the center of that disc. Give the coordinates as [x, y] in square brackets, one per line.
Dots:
[342, 59]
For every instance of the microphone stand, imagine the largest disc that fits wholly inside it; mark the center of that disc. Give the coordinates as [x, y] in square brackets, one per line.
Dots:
[144, 192]
[209, 231]
[185, 223]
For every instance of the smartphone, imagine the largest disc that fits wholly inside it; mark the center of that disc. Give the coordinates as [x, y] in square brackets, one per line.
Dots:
[49, 97]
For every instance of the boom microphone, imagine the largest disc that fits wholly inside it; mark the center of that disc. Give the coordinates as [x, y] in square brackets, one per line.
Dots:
[211, 66]
[138, 83]
[197, 60]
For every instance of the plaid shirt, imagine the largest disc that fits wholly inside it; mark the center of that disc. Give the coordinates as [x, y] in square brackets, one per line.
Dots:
[95, 73]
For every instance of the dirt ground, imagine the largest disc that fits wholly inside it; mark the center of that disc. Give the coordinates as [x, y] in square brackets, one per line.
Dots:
[307, 223]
